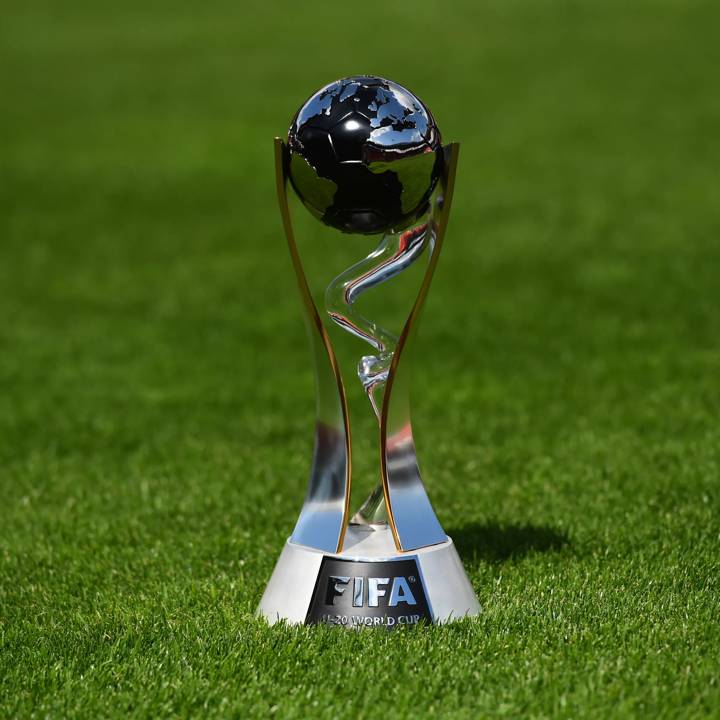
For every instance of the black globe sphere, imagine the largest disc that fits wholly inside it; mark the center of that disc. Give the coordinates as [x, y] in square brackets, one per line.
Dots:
[364, 155]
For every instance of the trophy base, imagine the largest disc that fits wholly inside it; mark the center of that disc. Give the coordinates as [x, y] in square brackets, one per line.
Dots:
[369, 583]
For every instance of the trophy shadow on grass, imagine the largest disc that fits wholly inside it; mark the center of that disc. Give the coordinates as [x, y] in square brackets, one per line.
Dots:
[496, 543]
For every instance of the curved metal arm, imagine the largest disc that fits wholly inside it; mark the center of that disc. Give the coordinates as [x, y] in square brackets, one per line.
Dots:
[412, 518]
[325, 513]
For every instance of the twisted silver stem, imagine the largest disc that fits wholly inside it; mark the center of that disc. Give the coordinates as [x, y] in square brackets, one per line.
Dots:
[395, 252]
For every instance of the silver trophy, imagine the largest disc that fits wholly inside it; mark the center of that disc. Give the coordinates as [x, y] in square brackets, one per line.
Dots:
[365, 156]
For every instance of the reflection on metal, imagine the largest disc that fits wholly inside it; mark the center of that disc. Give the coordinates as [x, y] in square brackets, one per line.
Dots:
[324, 516]
[412, 518]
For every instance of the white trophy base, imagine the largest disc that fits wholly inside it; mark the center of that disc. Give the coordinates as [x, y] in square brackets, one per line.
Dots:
[445, 592]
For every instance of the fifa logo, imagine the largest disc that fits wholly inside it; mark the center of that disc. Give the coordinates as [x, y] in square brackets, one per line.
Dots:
[370, 591]
[355, 593]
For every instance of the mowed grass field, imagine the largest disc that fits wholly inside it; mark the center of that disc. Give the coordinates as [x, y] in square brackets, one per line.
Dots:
[156, 392]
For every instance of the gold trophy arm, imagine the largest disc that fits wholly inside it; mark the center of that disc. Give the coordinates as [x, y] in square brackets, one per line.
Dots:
[325, 513]
[411, 516]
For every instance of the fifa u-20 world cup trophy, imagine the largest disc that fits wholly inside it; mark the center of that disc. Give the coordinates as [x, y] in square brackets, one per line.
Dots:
[365, 157]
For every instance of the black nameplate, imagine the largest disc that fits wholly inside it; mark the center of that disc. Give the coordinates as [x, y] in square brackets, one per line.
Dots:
[356, 593]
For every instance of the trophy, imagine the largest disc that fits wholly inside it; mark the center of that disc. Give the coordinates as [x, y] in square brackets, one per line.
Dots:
[365, 157]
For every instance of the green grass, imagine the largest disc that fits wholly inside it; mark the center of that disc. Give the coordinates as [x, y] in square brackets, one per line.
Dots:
[156, 391]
